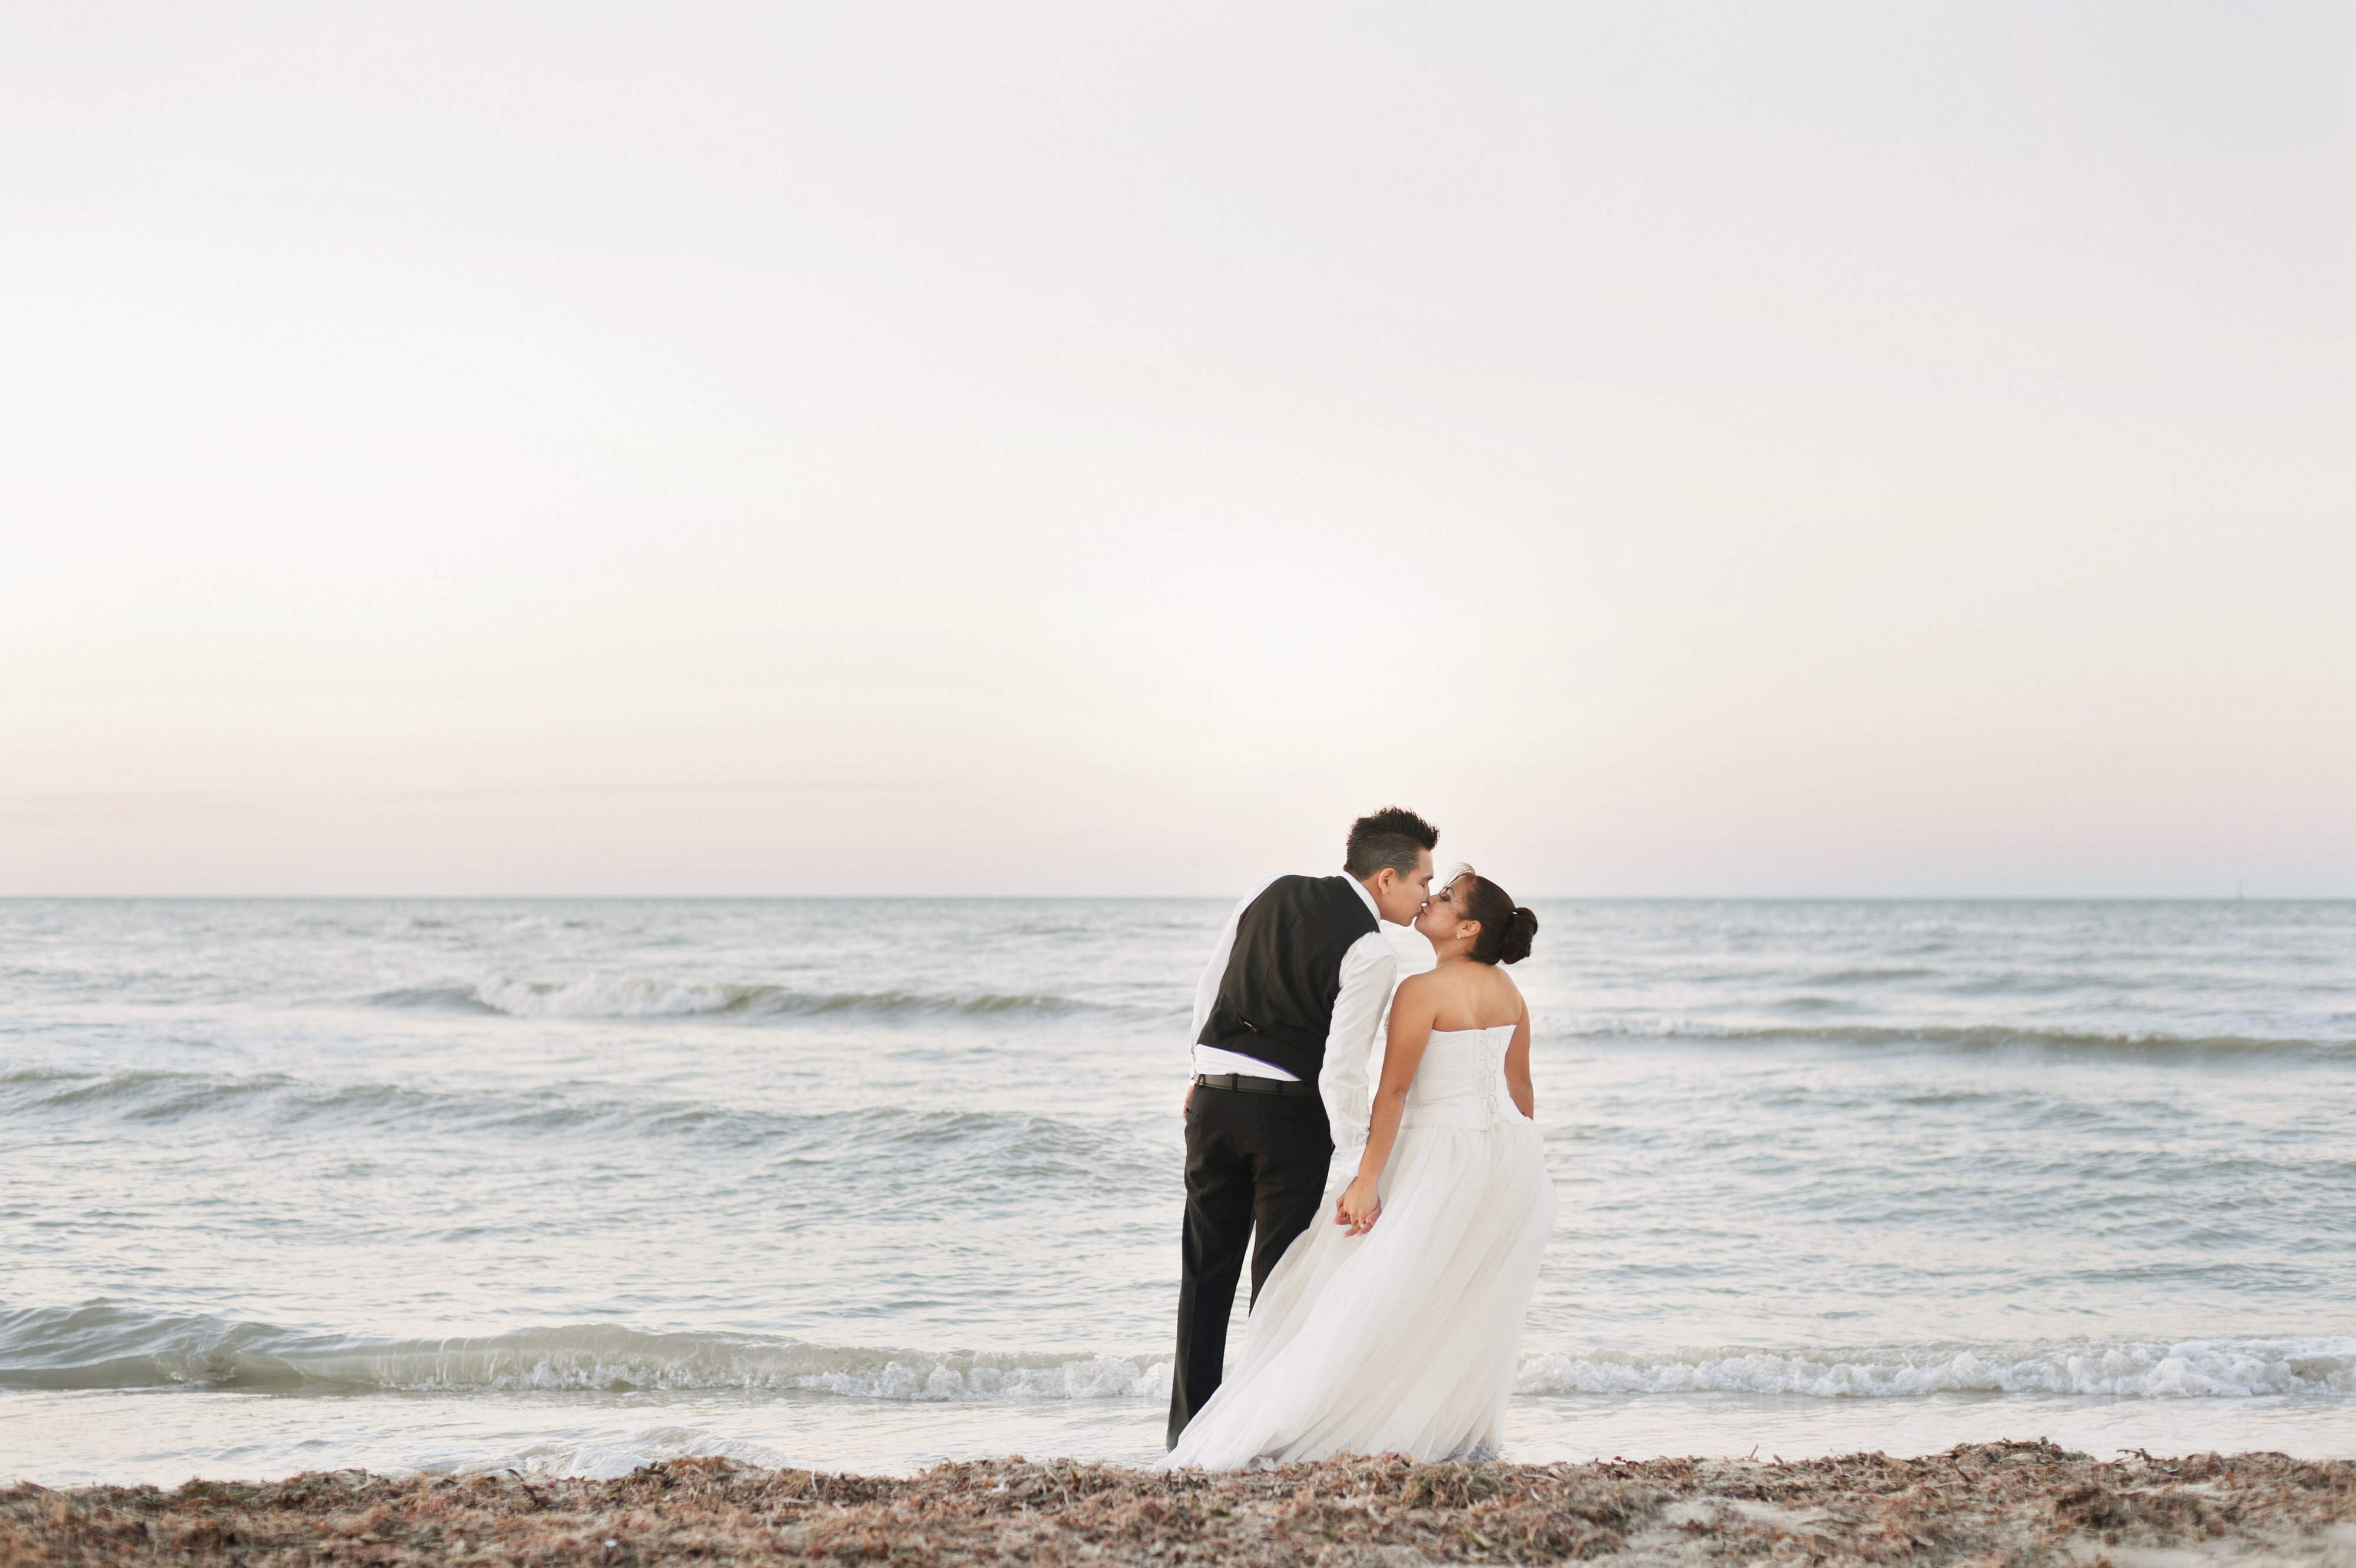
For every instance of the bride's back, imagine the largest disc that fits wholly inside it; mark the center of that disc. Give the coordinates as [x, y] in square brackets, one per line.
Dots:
[1469, 996]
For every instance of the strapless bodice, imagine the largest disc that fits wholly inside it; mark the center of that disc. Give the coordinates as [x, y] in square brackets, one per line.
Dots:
[1461, 1081]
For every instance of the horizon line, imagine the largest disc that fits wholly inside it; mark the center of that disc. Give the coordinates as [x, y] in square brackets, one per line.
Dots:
[1145, 897]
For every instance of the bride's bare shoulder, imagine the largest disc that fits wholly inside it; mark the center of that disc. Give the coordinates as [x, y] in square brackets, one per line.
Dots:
[1462, 995]
[1501, 987]
[1484, 997]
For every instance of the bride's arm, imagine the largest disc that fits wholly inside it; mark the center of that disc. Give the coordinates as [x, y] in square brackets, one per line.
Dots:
[1413, 1011]
[1517, 1068]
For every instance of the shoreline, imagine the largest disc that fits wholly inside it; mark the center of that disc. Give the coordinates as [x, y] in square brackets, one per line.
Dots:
[1999, 1502]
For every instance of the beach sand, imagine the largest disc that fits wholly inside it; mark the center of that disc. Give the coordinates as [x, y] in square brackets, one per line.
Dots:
[2013, 1503]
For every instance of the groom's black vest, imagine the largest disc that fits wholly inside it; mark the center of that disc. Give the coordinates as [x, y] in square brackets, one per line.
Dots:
[1276, 1000]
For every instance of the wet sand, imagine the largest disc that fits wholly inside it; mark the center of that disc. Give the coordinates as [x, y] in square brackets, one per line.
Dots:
[1995, 1503]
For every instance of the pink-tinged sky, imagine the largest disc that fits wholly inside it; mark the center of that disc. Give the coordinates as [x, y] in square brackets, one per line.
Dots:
[1682, 448]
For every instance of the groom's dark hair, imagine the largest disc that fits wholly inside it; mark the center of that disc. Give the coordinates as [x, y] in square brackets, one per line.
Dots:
[1391, 837]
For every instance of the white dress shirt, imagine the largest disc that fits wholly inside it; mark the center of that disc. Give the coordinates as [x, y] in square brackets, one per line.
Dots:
[1369, 970]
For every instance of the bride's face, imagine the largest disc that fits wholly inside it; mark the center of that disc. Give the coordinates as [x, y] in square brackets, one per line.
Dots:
[1440, 916]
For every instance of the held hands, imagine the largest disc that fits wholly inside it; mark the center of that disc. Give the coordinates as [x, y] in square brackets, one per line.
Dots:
[1358, 1206]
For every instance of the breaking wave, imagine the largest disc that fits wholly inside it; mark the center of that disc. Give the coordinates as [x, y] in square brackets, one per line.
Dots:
[601, 997]
[2123, 1368]
[994, 1148]
[1968, 1037]
[99, 1346]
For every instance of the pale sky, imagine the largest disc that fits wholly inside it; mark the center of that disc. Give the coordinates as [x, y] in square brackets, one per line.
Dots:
[709, 449]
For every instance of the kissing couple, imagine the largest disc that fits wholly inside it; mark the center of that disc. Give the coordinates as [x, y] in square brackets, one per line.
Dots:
[1395, 1324]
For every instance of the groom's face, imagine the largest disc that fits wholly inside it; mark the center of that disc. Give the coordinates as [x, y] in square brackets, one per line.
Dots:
[1400, 898]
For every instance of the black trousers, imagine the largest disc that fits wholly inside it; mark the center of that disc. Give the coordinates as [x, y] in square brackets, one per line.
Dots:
[1254, 1163]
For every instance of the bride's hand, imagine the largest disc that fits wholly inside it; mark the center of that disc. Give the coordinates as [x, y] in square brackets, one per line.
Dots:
[1358, 1206]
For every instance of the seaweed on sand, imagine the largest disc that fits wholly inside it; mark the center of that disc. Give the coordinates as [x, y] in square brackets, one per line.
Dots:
[2011, 1503]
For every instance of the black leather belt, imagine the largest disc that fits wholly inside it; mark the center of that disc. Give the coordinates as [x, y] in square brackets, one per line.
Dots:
[1245, 1083]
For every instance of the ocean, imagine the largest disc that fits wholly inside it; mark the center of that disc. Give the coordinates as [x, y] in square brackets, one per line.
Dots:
[568, 1185]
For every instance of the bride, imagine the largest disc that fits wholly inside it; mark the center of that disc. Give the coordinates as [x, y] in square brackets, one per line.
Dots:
[1398, 1327]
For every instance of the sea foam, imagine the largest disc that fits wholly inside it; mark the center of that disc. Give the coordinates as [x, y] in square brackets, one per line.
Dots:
[2125, 1369]
[103, 1346]
[100, 1345]
[653, 996]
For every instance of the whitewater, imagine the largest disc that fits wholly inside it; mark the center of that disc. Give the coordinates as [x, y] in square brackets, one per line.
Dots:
[566, 1186]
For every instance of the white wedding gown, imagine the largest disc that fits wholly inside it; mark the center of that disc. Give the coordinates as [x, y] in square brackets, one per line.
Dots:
[1405, 1339]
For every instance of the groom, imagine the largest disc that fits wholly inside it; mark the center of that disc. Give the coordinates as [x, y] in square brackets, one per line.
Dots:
[1284, 1021]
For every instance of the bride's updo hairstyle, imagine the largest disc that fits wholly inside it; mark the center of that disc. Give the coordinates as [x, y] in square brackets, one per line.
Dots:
[1506, 927]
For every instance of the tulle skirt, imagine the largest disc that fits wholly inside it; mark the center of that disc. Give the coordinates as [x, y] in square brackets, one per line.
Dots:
[1402, 1340]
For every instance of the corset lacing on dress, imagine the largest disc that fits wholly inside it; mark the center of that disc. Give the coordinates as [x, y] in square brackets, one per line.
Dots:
[1461, 1081]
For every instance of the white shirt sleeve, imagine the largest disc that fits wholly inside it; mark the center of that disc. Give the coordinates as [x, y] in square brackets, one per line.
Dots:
[1369, 970]
[1415, 956]
[1206, 989]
